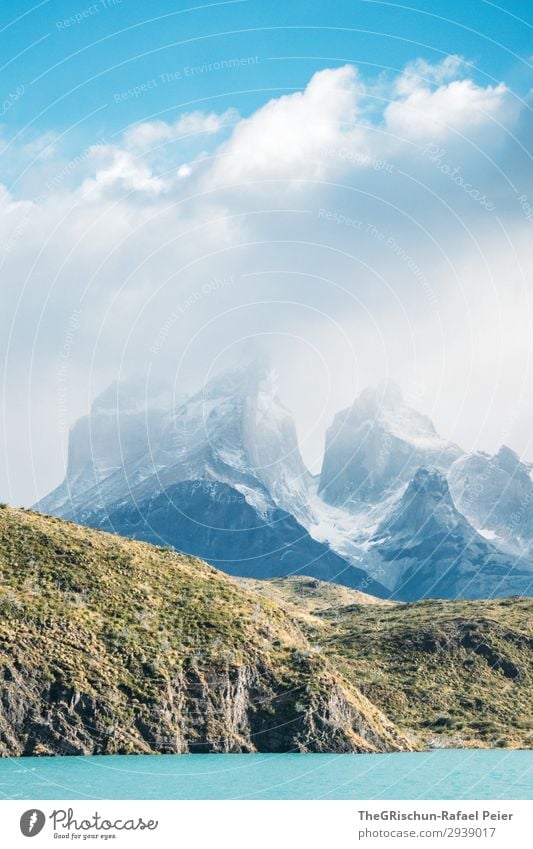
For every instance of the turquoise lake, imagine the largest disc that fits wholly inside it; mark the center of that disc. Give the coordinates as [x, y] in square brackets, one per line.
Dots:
[441, 774]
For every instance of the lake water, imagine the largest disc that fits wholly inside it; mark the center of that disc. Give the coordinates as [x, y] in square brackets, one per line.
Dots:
[442, 774]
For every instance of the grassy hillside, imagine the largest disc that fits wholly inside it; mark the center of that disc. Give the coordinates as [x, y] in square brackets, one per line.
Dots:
[110, 645]
[308, 594]
[448, 673]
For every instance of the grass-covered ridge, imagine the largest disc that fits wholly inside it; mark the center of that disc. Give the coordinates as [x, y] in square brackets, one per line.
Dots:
[448, 673]
[112, 645]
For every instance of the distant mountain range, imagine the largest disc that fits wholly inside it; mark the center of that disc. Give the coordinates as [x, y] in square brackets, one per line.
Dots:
[397, 510]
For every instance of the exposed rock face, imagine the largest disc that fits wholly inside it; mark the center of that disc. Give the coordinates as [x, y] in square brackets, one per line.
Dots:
[433, 551]
[234, 431]
[495, 493]
[226, 709]
[124, 423]
[375, 446]
[220, 476]
[113, 646]
[215, 522]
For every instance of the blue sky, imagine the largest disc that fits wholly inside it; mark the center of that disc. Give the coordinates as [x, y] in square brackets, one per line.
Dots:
[73, 70]
[350, 182]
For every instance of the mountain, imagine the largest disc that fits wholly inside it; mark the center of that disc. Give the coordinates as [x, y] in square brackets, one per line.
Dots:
[108, 645]
[430, 550]
[122, 425]
[495, 493]
[375, 447]
[221, 477]
[112, 646]
[215, 521]
[234, 431]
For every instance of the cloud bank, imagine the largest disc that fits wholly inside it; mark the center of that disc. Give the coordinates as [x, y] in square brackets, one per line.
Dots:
[361, 229]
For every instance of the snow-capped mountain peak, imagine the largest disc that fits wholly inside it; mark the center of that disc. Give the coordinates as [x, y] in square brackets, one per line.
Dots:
[495, 493]
[221, 475]
[124, 423]
[376, 445]
[426, 502]
[428, 548]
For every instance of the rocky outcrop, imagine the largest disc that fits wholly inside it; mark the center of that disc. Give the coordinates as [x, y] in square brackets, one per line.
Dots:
[495, 493]
[110, 646]
[375, 446]
[433, 551]
[204, 708]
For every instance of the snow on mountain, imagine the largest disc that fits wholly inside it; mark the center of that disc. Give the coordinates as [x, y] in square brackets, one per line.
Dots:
[214, 521]
[429, 549]
[124, 421]
[375, 447]
[235, 431]
[495, 493]
[222, 478]
[220, 475]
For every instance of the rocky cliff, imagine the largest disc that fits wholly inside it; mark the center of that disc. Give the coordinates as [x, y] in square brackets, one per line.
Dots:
[112, 646]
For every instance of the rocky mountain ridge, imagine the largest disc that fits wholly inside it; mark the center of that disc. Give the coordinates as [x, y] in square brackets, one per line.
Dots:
[220, 475]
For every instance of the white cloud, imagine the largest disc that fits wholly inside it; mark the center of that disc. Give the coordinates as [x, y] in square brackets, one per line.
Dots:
[142, 137]
[289, 136]
[420, 73]
[121, 174]
[460, 106]
[43, 147]
[155, 224]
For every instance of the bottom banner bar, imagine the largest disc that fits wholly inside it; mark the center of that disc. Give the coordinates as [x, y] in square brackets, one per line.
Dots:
[258, 824]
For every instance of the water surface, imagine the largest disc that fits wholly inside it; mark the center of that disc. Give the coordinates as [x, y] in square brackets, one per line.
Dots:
[442, 774]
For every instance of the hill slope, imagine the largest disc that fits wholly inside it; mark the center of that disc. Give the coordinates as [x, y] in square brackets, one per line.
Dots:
[449, 673]
[109, 645]
[308, 595]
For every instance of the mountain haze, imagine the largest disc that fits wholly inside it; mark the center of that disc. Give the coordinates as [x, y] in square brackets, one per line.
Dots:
[397, 509]
[375, 446]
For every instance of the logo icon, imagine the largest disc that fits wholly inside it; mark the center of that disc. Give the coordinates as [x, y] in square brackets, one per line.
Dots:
[32, 822]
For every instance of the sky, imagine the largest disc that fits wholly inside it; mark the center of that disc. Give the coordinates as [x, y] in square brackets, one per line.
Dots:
[349, 183]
